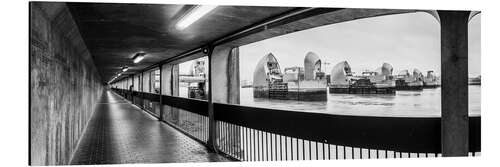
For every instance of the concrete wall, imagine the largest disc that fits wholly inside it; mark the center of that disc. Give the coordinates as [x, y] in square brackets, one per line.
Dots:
[64, 84]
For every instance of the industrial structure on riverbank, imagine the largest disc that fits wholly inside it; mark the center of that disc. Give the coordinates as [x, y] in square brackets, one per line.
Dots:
[379, 81]
[407, 81]
[431, 80]
[309, 83]
[306, 83]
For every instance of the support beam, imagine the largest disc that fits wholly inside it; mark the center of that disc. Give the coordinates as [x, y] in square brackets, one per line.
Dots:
[233, 74]
[160, 93]
[175, 80]
[175, 92]
[166, 89]
[224, 73]
[142, 90]
[221, 60]
[454, 79]
[132, 90]
[212, 126]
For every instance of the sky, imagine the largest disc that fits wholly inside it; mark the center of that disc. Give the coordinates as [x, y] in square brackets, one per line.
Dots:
[405, 41]
[475, 46]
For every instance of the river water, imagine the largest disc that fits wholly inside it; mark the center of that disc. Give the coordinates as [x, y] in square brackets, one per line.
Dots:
[426, 103]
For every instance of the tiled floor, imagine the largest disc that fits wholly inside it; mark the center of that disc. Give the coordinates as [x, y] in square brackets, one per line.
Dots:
[120, 132]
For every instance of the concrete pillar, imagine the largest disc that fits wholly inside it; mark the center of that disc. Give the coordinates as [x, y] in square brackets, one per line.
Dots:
[166, 79]
[161, 99]
[224, 70]
[132, 77]
[233, 73]
[132, 86]
[225, 63]
[175, 91]
[175, 80]
[454, 79]
[142, 90]
[212, 125]
[166, 89]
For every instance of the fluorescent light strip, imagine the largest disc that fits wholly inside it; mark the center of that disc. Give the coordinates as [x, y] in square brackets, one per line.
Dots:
[138, 58]
[194, 15]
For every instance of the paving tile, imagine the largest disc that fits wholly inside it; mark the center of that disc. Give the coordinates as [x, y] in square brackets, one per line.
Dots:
[122, 133]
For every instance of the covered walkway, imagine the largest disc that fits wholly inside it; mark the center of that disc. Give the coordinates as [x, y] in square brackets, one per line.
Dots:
[79, 52]
[120, 132]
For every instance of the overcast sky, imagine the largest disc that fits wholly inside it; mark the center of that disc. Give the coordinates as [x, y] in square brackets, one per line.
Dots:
[475, 45]
[405, 41]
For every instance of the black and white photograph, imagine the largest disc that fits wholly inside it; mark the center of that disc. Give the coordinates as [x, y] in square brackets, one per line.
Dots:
[116, 83]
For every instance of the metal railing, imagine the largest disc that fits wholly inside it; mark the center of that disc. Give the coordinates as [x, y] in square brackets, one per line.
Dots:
[270, 135]
[187, 115]
[259, 134]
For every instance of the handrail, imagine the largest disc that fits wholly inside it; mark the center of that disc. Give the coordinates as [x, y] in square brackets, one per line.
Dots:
[402, 134]
[191, 105]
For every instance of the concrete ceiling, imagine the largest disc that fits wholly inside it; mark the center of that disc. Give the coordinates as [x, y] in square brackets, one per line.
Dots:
[113, 33]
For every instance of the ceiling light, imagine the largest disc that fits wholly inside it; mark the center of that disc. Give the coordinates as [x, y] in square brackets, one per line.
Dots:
[193, 15]
[119, 74]
[125, 69]
[138, 57]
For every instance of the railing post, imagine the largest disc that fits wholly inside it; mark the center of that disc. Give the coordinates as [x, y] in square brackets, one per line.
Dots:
[161, 90]
[212, 126]
[454, 79]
